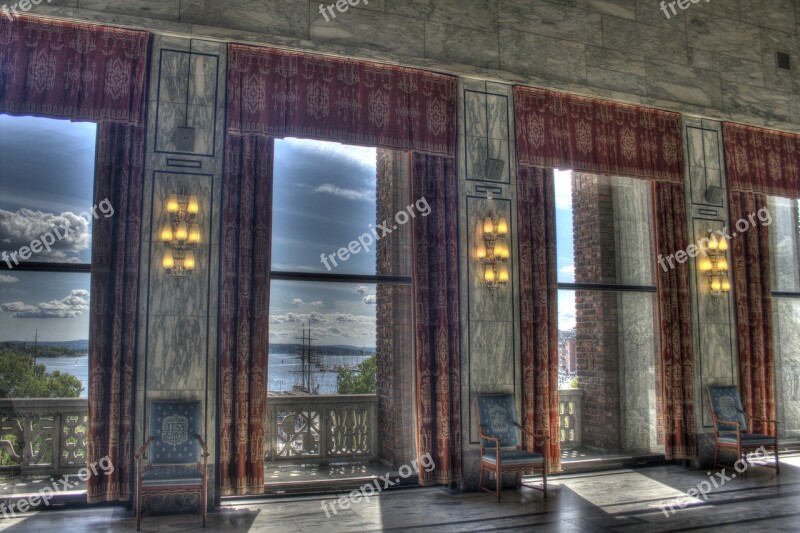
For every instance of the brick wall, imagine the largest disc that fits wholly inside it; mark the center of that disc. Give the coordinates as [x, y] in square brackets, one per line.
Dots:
[394, 333]
[597, 342]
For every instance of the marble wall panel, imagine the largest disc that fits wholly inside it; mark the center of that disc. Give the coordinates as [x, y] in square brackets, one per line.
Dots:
[786, 312]
[544, 57]
[176, 354]
[455, 44]
[545, 18]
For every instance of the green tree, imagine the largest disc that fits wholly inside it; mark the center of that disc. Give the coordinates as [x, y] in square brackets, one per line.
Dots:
[20, 377]
[362, 380]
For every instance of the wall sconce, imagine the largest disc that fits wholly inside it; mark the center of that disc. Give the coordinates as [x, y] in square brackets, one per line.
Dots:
[181, 235]
[493, 253]
[715, 266]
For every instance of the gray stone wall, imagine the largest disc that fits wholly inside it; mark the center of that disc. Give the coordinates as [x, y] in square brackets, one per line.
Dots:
[714, 58]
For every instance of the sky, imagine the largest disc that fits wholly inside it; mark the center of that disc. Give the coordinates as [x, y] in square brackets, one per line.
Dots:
[564, 250]
[46, 181]
[324, 198]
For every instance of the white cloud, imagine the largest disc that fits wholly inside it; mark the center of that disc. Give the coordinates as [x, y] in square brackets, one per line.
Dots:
[20, 228]
[7, 279]
[297, 301]
[350, 194]
[71, 306]
[370, 299]
[362, 155]
[361, 289]
[570, 269]
[563, 186]
[325, 327]
[316, 303]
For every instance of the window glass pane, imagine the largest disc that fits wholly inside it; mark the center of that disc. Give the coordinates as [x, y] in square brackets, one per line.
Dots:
[43, 316]
[603, 229]
[333, 208]
[787, 351]
[341, 318]
[785, 246]
[46, 188]
[609, 371]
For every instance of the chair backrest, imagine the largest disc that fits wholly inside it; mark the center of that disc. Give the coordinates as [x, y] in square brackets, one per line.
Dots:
[726, 404]
[497, 414]
[174, 427]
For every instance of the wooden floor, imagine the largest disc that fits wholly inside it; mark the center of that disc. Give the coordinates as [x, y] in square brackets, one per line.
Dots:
[616, 501]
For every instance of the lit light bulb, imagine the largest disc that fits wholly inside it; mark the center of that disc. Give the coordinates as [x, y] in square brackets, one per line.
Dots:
[488, 225]
[506, 253]
[172, 203]
[726, 285]
[194, 205]
[166, 233]
[503, 278]
[713, 244]
[188, 261]
[722, 264]
[502, 226]
[715, 285]
[169, 260]
[723, 245]
[181, 233]
[194, 234]
[480, 251]
[489, 275]
[704, 265]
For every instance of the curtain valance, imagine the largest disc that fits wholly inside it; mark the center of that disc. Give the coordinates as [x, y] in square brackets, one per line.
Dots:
[762, 161]
[279, 93]
[72, 70]
[558, 130]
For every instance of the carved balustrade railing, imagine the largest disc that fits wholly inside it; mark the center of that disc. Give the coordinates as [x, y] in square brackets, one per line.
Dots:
[322, 428]
[569, 416]
[43, 435]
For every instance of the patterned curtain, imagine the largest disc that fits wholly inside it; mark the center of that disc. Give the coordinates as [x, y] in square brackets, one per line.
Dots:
[436, 318]
[539, 308]
[759, 163]
[674, 303]
[88, 72]
[558, 130]
[274, 93]
[279, 93]
[244, 311]
[114, 305]
[72, 70]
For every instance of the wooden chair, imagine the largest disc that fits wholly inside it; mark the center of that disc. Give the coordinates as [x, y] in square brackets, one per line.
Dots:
[501, 442]
[731, 427]
[174, 459]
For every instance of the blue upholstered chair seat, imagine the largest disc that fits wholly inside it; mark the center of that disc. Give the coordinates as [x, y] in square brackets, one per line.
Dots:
[172, 475]
[748, 439]
[514, 457]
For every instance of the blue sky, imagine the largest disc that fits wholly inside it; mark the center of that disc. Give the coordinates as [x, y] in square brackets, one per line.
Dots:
[46, 179]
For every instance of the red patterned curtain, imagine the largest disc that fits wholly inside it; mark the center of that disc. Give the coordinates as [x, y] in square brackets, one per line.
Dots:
[759, 163]
[280, 93]
[436, 318]
[539, 308]
[89, 72]
[114, 304]
[274, 93]
[675, 319]
[558, 130]
[72, 70]
[244, 311]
